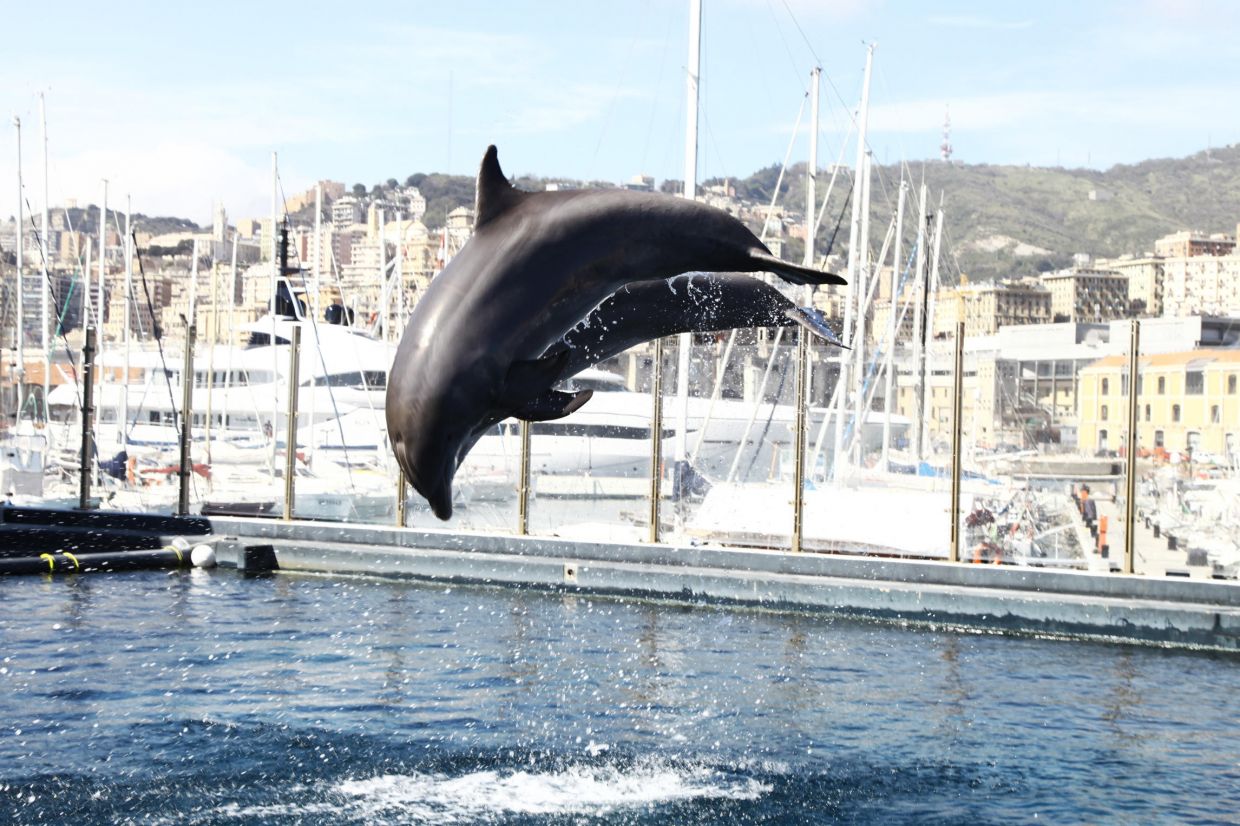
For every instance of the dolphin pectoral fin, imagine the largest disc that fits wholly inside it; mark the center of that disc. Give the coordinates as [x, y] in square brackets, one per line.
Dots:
[554, 404]
[532, 378]
[814, 321]
[794, 273]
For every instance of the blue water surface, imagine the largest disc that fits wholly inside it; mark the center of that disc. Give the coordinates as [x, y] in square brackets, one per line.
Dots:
[212, 698]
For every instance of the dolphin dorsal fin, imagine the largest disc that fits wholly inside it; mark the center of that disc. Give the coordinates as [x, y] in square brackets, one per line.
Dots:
[494, 193]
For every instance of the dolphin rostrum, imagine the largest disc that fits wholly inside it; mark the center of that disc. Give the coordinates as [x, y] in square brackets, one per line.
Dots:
[479, 344]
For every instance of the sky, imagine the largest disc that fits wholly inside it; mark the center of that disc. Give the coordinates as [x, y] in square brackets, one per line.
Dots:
[181, 109]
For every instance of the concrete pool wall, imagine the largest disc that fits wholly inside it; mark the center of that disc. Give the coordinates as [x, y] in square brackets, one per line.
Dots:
[1009, 599]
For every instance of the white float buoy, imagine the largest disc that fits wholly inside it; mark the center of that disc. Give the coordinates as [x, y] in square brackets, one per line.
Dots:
[203, 556]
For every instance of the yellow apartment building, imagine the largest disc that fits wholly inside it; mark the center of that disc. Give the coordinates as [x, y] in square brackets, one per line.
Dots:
[1186, 400]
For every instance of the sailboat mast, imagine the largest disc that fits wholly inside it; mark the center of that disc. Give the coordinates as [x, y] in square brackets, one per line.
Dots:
[811, 174]
[318, 246]
[213, 338]
[802, 383]
[20, 326]
[897, 261]
[400, 270]
[854, 262]
[919, 334]
[103, 259]
[863, 293]
[275, 263]
[693, 68]
[931, 300]
[385, 287]
[123, 419]
[45, 291]
[86, 268]
[193, 285]
[99, 293]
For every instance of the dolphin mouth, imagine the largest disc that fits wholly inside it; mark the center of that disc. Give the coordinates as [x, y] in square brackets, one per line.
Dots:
[436, 491]
[440, 499]
[437, 494]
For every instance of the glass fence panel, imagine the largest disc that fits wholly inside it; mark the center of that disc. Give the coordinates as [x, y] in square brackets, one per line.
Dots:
[590, 476]
[734, 486]
[1044, 420]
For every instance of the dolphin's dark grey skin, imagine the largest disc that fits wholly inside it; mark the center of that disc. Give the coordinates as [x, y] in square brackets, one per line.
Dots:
[693, 303]
[478, 345]
[646, 310]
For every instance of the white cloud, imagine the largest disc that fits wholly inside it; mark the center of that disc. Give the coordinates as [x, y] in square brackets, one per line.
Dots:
[165, 178]
[1190, 108]
[976, 21]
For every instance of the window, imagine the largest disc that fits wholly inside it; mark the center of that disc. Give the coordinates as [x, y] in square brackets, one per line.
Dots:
[1106, 389]
[1147, 412]
[1102, 440]
[1123, 385]
[1162, 385]
[1105, 413]
[1175, 412]
[1140, 385]
[1194, 382]
[1231, 384]
[1158, 438]
[1215, 415]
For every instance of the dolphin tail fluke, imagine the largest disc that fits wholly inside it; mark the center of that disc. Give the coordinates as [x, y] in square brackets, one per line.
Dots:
[814, 321]
[794, 273]
[554, 404]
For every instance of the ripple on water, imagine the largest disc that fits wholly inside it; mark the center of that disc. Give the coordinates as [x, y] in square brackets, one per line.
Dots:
[214, 699]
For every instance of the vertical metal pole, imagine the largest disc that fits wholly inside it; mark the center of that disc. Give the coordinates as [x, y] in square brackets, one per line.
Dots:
[1130, 475]
[656, 439]
[88, 416]
[523, 484]
[401, 495]
[290, 436]
[957, 416]
[798, 470]
[187, 418]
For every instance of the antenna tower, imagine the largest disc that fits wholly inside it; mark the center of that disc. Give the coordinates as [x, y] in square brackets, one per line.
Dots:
[945, 148]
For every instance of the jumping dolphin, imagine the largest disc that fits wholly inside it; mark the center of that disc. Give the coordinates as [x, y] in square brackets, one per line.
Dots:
[646, 310]
[478, 345]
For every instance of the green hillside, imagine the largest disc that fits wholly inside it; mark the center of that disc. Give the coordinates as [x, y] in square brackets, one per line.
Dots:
[989, 210]
[999, 221]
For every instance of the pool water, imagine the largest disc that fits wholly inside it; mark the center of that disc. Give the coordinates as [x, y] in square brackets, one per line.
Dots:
[213, 698]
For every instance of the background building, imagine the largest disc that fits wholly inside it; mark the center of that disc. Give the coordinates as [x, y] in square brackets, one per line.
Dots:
[1186, 402]
[1087, 295]
[1188, 243]
[1201, 284]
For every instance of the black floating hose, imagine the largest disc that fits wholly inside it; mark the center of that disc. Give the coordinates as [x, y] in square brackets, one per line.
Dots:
[64, 562]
